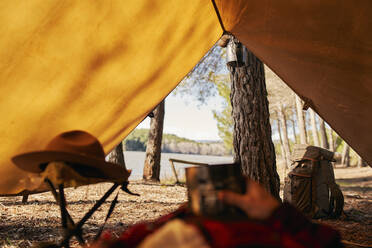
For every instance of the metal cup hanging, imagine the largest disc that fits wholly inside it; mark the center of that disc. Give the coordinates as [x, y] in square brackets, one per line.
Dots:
[236, 53]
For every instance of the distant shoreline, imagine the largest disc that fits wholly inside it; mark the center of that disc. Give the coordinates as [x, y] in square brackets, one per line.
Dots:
[134, 160]
[171, 143]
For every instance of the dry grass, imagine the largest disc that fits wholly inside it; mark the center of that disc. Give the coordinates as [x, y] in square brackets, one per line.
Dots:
[39, 219]
[21, 225]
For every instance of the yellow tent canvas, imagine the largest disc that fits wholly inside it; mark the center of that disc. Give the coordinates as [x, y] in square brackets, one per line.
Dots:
[101, 66]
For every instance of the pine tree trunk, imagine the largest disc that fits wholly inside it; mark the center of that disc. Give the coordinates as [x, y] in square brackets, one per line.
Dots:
[331, 141]
[284, 155]
[360, 162]
[300, 121]
[313, 128]
[283, 123]
[345, 160]
[294, 130]
[253, 146]
[151, 170]
[117, 155]
[323, 134]
[281, 141]
[305, 114]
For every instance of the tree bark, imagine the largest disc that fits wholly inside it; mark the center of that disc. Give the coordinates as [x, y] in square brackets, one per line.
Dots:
[305, 113]
[360, 162]
[313, 128]
[294, 130]
[331, 141]
[281, 141]
[345, 160]
[300, 121]
[151, 169]
[117, 155]
[253, 146]
[283, 123]
[323, 134]
[284, 155]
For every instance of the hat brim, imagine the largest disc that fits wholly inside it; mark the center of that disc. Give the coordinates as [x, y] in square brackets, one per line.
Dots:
[31, 162]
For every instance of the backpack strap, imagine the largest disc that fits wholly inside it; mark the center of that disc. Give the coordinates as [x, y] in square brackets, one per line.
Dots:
[337, 201]
[336, 197]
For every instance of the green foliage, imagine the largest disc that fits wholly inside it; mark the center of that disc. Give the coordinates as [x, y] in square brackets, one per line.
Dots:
[206, 79]
[137, 141]
[139, 134]
[199, 82]
[277, 147]
[223, 118]
[339, 146]
[175, 138]
[135, 145]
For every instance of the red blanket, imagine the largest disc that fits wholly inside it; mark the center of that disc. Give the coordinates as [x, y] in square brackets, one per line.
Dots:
[285, 228]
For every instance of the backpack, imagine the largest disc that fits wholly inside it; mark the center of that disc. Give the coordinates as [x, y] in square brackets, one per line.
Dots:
[310, 185]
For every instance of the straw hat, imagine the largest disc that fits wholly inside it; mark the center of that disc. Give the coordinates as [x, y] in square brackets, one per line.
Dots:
[81, 150]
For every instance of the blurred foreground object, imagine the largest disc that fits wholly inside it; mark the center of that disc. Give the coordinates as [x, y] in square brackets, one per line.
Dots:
[281, 226]
[256, 202]
[176, 233]
[204, 183]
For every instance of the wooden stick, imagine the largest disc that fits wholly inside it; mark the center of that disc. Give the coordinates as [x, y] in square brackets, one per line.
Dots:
[187, 162]
[355, 244]
[173, 160]
[174, 170]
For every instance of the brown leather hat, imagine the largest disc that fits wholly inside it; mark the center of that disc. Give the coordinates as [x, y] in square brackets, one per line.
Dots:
[77, 148]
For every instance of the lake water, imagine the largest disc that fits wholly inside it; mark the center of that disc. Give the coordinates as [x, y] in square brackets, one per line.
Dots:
[135, 162]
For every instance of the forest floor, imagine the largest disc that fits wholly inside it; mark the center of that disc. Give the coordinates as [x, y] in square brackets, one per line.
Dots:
[38, 220]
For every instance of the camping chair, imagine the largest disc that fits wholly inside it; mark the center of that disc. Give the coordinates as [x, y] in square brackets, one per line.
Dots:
[72, 159]
[59, 175]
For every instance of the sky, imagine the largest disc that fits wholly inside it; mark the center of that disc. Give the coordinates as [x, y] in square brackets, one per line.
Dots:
[187, 118]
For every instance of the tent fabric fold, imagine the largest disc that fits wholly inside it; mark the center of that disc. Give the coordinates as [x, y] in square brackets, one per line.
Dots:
[102, 66]
[321, 49]
[97, 66]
